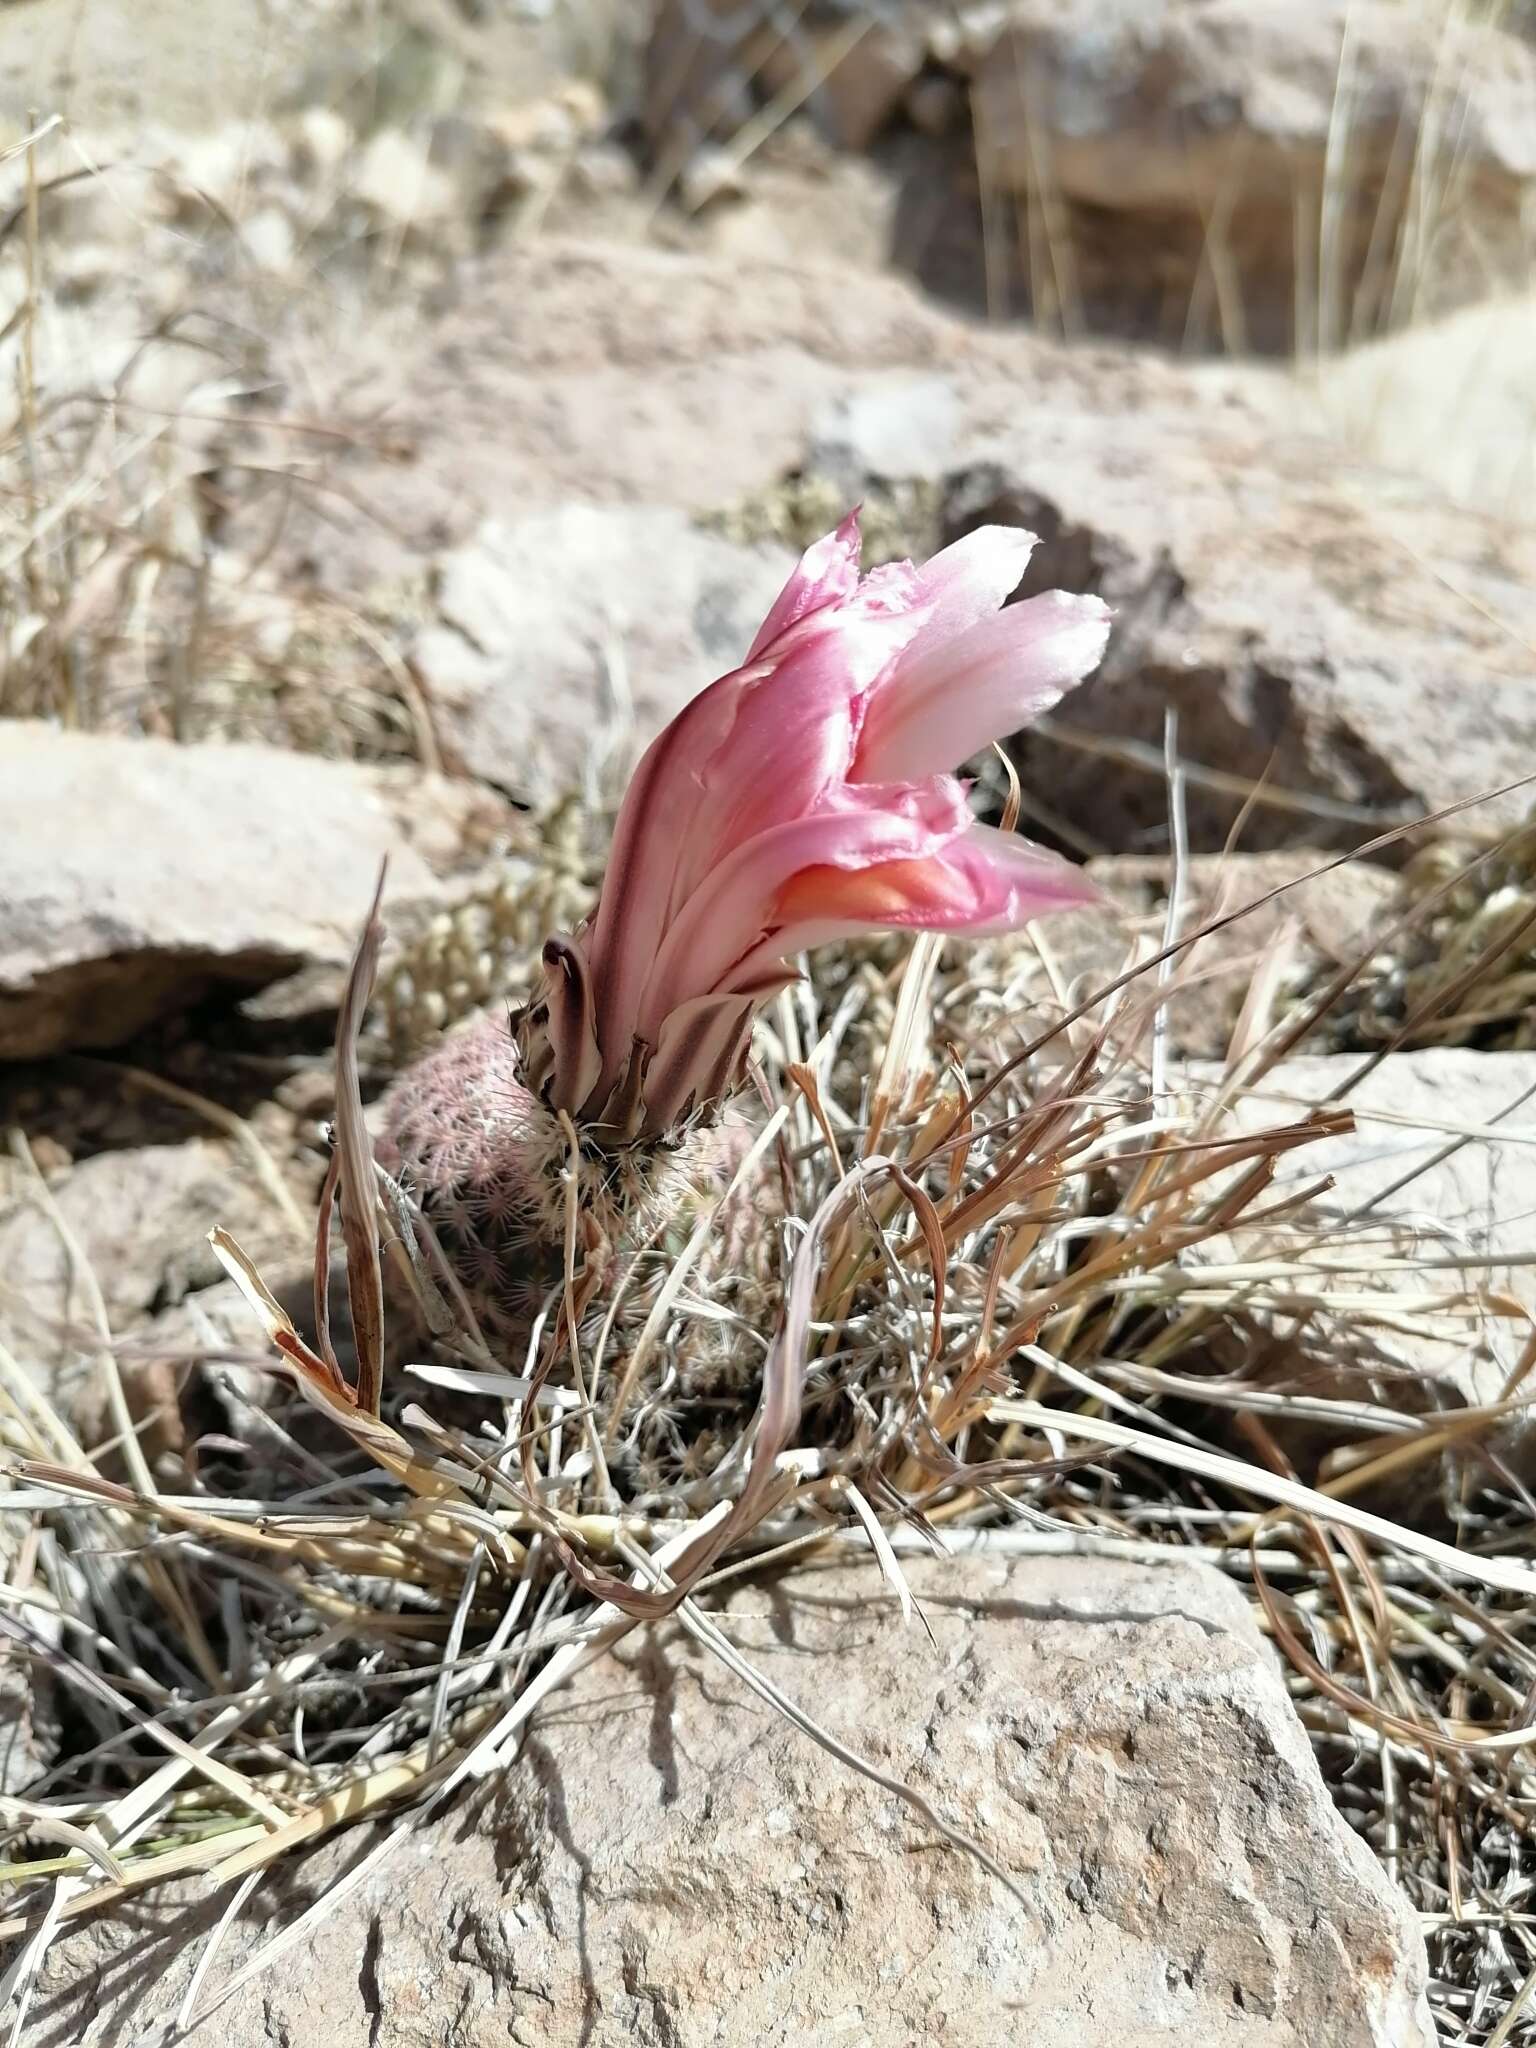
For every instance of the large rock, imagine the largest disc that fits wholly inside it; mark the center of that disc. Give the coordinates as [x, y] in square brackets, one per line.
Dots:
[1188, 167]
[670, 1863]
[572, 371]
[136, 876]
[1272, 593]
[1334, 632]
[1267, 142]
[542, 617]
[1439, 1168]
[1281, 602]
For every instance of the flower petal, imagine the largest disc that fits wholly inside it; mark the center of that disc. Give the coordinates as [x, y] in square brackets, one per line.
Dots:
[827, 573]
[760, 745]
[972, 578]
[947, 698]
[1012, 881]
[793, 734]
[982, 882]
[566, 1064]
[699, 1052]
[649, 839]
[734, 907]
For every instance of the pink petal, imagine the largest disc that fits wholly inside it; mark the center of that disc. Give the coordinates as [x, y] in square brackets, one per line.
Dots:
[826, 573]
[971, 579]
[983, 882]
[947, 699]
[757, 748]
[733, 907]
[1013, 881]
[649, 835]
[793, 734]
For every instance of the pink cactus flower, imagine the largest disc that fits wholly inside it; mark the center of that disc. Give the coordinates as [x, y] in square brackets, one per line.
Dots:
[807, 796]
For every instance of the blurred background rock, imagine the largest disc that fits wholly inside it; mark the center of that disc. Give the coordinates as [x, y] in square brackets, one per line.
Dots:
[365, 353]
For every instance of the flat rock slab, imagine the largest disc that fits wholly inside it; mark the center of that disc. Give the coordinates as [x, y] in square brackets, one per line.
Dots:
[136, 875]
[1441, 1168]
[669, 1863]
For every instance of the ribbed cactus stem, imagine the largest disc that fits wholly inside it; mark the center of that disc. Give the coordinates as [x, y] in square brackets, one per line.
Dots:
[472, 1148]
[488, 1164]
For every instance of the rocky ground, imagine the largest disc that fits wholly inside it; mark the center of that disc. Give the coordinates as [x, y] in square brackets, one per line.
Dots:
[415, 404]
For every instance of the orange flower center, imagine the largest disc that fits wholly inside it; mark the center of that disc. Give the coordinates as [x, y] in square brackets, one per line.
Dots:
[872, 895]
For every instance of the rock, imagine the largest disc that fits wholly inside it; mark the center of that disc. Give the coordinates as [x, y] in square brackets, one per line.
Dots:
[707, 65]
[136, 875]
[711, 177]
[1238, 120]
[28, 1708]
[270, 240]
[1321, 922]
[209, 1347]
[577, 371]
[1454, 396]
[863, 88]
[896, 427]
[173, 64]
[535, 611]
[669, 1862]
[1275, 599]
[1278, 593]
[1269, 593]
[140, 1219]
[1435, 1338]
[700, 65]
[574, 113]
[218, 169]
[322, 142]
[934, 105]
[1273, 135]
[84, 269]
[1149, 133]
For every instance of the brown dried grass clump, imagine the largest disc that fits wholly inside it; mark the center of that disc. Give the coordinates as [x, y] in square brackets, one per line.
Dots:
[962, 1277]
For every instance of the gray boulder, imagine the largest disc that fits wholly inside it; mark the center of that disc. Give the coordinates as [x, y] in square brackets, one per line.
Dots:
[136, 876]
[670, 1863]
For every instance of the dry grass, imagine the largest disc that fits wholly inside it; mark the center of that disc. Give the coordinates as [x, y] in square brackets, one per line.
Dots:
[1460, 966]
[1021, 1289]
[153, 462]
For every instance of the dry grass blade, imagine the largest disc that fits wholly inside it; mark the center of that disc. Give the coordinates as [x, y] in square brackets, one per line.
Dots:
[356, 1181]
